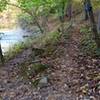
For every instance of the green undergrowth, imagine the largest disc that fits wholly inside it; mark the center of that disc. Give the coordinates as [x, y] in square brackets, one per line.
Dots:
[17, 49]
[96, 4]
[42, 41]
[31, 72]
[47, 41]
[87, 43]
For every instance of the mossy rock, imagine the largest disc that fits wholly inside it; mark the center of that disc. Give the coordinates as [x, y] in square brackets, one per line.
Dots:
[39, 67]
[40, 82]
[28, 72]
[37, 51]
[35, 82]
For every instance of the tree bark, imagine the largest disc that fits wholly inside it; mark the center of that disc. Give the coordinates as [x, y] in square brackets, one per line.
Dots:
[1, 55]
[93, 24]
[85, 10]
[69, 9]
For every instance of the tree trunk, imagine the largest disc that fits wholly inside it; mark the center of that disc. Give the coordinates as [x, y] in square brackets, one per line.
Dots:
[69, 9]
[93, 24]
[38, 25]
[86, 10]
[98, 22]
[1, 55]
[61, 17]
[44, 23]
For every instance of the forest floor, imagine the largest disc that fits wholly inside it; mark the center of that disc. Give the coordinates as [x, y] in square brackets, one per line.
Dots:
[73, 76]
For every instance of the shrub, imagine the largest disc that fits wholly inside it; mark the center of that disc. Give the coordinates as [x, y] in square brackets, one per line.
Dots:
[87, 43]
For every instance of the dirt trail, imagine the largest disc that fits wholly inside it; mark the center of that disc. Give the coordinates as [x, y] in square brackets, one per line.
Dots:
[71, 71]
[64, 78]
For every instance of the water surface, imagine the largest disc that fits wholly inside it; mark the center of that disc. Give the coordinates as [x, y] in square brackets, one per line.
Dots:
[11, 36]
